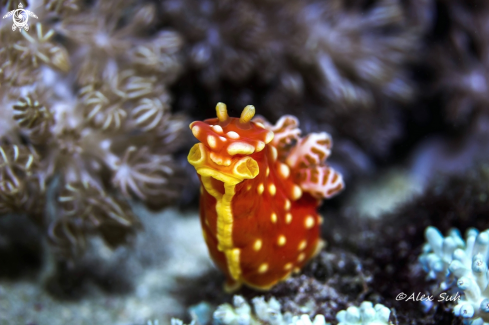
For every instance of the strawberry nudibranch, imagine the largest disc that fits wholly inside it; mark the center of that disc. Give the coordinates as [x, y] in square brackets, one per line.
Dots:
[261, 186]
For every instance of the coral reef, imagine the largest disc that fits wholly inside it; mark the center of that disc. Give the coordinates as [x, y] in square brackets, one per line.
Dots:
[366, 314]
[265, 312]
[467, 264]
[85, 121]
[438, 253]
[94, 97]
[390, 261]
[269, 312]
[261, 185]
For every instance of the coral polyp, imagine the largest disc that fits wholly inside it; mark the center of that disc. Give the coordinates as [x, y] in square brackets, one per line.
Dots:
[85, 121]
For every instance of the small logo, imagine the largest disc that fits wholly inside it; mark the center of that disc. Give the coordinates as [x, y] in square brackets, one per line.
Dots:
[20, 17]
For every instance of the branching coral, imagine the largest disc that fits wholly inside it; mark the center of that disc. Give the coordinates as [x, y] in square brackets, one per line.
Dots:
[367, 314]
[269, 312]
[265, 312]
[466, 262]
[82, 139]
[437, 254]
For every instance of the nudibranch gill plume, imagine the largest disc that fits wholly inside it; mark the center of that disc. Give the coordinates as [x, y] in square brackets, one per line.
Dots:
[261, 186]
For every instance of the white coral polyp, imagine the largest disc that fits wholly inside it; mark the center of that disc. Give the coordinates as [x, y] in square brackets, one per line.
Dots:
[467, 263]
[437, 254]
[367, 314]
[469, 266]
[265, 313]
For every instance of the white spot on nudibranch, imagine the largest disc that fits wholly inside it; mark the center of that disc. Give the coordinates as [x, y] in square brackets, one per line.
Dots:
[302, 244]
[211, 140]
[288, 218]
[241, 148]
[296, 192]
[309, 222]
[195, 131]
[263, 268]
[287, 205]
[301, 257]
[269, 137]
[272, 189]
[217, 129]
[281, 240]
[232, 135]
[259, 146]
[260, 189]
[273, 217]
[288, 266]
[283, 170]
[257, 245]
[219, 160]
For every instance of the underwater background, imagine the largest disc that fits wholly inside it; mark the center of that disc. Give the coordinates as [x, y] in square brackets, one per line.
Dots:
[99, 207]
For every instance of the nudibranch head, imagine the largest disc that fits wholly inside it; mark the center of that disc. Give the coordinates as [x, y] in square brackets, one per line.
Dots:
[261, 185]
[226, 144]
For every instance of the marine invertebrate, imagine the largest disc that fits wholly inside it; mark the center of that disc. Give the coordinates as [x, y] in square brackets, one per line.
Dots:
[259, 194]
[86, 208]
[97, 35]
[367, 314]
[22, 54]
[468, 262]
[265, 312]
[19, 183]
[84, 138]
[437, 254]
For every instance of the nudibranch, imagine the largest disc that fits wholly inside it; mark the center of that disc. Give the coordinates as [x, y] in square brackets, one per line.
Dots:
[261, 186]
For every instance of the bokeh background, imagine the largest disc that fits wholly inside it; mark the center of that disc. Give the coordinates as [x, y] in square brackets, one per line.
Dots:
[98, 206]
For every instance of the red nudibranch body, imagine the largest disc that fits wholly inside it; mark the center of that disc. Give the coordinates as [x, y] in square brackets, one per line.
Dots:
[261, 186]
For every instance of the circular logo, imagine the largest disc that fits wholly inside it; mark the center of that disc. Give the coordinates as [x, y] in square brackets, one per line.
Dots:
[20, 17]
